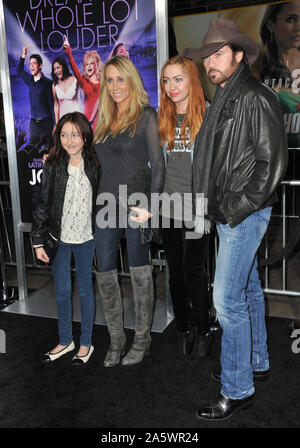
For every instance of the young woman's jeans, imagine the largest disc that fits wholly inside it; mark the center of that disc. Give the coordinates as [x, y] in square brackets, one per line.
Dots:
[188, 280]
[240, 305]
[61, 268]
[107, 242]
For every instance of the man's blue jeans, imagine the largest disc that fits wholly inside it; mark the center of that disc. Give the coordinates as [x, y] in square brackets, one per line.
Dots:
[61, 268]
[240, 306]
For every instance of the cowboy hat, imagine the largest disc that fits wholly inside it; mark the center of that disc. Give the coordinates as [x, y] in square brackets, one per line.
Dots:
[223, 32]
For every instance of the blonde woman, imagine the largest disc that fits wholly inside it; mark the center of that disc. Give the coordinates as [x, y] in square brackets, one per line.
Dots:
[126, 139]
[89, 81]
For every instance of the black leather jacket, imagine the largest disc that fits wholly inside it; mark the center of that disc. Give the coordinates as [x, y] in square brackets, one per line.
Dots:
[48, 213]
[250, 154]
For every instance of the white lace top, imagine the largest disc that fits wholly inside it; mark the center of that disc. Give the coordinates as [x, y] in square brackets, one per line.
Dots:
[77, 209]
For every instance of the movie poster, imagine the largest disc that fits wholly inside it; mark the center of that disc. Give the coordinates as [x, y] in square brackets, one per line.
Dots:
[47, 39]
[276, 29]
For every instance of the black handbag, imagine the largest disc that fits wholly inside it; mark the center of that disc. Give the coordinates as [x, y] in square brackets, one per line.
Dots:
[151, 235]
[50, 246]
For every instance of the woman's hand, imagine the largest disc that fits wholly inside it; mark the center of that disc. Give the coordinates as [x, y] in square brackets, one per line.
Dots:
[142, 215]
[66, 44]
[41, 254]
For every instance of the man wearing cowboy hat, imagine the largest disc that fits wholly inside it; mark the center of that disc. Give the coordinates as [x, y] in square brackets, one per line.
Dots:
[240, 158]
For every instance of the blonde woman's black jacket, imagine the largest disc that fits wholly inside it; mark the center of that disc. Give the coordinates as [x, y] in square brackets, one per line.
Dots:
[48, 213]
[250, 154]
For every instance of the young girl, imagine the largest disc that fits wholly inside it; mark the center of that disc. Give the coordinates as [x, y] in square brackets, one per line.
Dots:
[180, 116]
[66, 211]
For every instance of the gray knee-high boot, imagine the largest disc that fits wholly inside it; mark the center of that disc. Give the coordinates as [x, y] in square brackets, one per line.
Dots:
[143, 295]
[113, 312]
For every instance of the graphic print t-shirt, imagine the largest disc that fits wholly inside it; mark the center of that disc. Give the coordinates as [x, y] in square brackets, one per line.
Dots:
[178, 177]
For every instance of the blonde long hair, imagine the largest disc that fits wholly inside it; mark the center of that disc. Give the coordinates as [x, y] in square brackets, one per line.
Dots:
[167, 108]
[108, 108]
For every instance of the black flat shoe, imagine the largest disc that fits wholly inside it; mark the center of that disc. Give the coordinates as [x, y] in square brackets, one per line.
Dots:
[81, 360]
[223, 408]
[50, 357]
[257, 375]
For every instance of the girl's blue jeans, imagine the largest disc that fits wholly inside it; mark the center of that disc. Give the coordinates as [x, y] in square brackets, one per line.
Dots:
[61, 268]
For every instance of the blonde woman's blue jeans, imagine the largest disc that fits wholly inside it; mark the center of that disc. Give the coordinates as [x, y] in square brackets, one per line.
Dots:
[240, 305]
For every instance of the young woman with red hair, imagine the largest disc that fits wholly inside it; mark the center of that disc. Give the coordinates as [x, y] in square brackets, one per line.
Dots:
[182, 106]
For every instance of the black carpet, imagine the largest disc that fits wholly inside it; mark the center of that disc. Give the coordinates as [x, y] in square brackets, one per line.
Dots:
[163, 391]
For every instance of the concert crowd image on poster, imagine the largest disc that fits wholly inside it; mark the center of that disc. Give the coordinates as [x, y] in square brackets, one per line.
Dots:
[276, 29]
[56, 50]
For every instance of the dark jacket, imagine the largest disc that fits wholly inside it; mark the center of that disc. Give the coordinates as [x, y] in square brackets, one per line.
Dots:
[40, 93]
[48, 213]
[250, 154]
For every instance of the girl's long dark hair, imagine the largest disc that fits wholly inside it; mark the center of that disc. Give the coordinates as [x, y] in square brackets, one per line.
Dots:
[65, 69]
[57, 152]
[115, 49]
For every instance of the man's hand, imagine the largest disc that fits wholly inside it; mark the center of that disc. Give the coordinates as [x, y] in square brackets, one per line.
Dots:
[25, 51]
